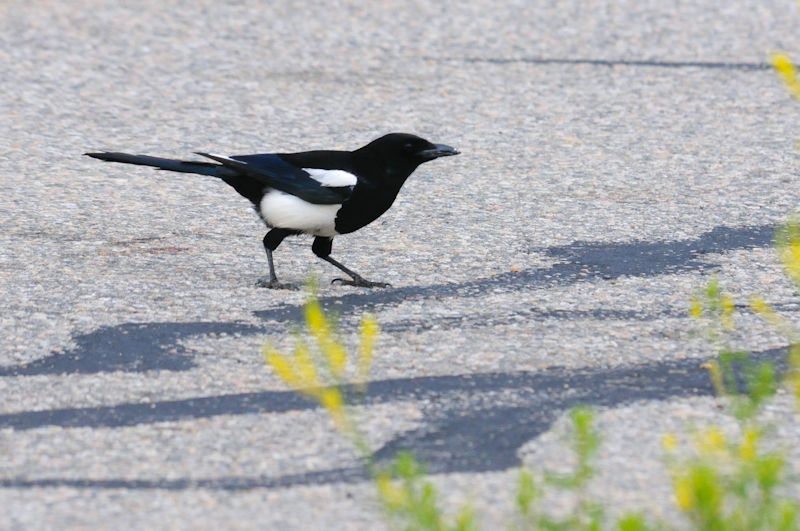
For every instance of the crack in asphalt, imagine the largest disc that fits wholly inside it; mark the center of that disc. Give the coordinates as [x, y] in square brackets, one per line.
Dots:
[723, 65]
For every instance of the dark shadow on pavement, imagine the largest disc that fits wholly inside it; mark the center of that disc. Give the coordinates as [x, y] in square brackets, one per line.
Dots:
[472, 423]
[138, 347]
[129, 347]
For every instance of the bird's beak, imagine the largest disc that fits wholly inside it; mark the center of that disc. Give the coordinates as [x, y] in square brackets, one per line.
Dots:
[438, 150]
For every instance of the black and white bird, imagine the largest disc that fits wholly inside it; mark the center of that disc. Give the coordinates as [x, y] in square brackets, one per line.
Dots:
[321, 193]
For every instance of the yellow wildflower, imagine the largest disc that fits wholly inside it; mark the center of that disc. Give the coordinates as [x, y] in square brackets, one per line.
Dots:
[304, 366]
[794, 381]
[728, 308]
[790, 256]
[392, 495]
[368, 333]
[696, 308]
[331, 399]
[760, 306]
[282, 366]
[684, 495]
[788, 244]
[788, 72]
[793, 376]
[669, 442]
[336, 355]
[315, 319]
[749, 448]
[717, 381]
[765, 311]
[321, 330]
[711, 441]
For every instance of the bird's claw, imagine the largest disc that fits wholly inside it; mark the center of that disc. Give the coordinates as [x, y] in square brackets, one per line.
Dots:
[360, 283]
[272, 283]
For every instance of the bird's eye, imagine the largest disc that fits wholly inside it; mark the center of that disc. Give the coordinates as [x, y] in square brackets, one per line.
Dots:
[408, 148]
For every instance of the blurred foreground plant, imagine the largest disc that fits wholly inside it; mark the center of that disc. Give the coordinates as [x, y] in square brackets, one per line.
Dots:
[786, 69]
[586, 514]
[728, 483]
[787, 242]
[733, 371]
[732, 482]
[319, 368]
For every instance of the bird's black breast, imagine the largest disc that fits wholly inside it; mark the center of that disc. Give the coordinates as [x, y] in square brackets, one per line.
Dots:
[364, 206]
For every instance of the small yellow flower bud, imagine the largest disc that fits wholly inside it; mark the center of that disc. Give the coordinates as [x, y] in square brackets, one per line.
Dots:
[715, 371]
[368, 333]
[788, 72]
[748, 450]
[669, 442]
[696, 308]
[392, 495]
[684, 497]
[728, 309]
[282, 367]
[711, 441]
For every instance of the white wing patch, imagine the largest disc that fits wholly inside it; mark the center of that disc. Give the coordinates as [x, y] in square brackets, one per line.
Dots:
[226, 157]
[332, 177]
[285, 211]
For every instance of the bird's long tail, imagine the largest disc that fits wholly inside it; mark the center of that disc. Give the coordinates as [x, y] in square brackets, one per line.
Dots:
[184, 166]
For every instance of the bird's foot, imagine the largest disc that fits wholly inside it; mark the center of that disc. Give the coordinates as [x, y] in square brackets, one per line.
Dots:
[272, 283]
[360, 282]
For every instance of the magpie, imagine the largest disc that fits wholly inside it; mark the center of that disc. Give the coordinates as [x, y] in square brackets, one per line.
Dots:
[321, 193]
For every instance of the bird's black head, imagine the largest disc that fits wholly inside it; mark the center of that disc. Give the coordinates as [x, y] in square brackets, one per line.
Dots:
[403, 152]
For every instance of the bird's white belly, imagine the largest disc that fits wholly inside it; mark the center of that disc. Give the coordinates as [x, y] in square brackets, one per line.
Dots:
[285, 211]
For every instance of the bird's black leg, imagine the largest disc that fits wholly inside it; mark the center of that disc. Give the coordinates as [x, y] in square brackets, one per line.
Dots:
[322, 248]
[271, 242]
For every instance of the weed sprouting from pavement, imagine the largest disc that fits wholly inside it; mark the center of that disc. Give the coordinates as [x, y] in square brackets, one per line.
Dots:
[732, 481]
[585, 513]
[786, 69]
[319, 368]
[750, 385]
[411, 500]
[728, 482]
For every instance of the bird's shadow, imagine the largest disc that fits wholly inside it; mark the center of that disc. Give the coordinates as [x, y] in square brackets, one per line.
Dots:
[467, 427]
[138, 347]
[129, 347]
[470, 422]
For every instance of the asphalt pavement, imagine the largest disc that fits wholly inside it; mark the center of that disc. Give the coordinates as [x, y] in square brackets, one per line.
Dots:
[614, 157]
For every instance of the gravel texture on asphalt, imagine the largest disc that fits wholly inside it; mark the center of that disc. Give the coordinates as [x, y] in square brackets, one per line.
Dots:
[613, 158]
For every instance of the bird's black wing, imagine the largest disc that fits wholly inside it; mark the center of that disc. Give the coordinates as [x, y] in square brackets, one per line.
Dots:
[270, 170]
